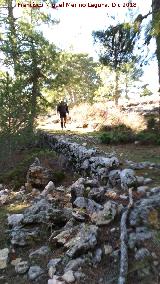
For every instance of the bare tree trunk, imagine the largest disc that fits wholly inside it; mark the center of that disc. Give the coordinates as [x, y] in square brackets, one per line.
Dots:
[126, 86]
[116, 92]
[12, 35]
[156, 23]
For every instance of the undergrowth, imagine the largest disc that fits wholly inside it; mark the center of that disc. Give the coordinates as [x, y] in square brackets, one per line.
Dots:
[121, 134]
[16, 176]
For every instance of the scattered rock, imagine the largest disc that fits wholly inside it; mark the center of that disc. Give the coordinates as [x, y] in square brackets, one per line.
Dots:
[142, 189]
[74, 264]
[85, 240]
[55, 280]
[142, 254]
[22, 267]
[38, 176]
[146, 212]
[22, 236]
[97, 194]
[40, 252]
[77, 189]
[115, 179]
[155, 190]
[60, 188]
[15, 219]
[98, 256]
[68, 276]
[108, 249]
[34, 272]
[79, 275]
[3, 258]
[106, 215]
[140, 180]
[147, 181]
[16, 261]
[49, 188]
[138, 237]
[128, 179]
[52, 266]
[88, 204]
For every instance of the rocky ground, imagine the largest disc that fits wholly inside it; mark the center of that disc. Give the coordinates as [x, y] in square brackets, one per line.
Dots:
[71, 233]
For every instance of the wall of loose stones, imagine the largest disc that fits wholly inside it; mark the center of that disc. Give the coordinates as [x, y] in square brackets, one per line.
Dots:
[87, 162]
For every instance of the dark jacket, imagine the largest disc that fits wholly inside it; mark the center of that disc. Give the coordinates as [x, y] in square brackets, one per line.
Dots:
[62, 108]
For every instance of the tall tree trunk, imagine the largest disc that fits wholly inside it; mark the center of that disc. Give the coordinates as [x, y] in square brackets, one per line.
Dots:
[12, 35]
[116, 91]
[35, 86]
[156, 23]
[126, 86]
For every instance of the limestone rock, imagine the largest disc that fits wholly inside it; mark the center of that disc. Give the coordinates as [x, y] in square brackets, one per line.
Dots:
[91, 182]
[108, 249]
[79, 275]
[142, 189]
[38, 176]
[55, 280]
[85, 240]
[114, 178]
[74, 264]
[88, 204]
[97, 194]
[42, 211]
[22, 236]
[147, 181]
[146, 212]
[3, 198]
[68, 276]
[138, 237]
[140, 180]
[128, 179]
[142, 254]
[22, 267]
[15, 219]
[16, 261]
[3, 258]
[98, 256]
[48, 188]
[52, 265]
[40, 252]
[62, 238]
[34, 272]
[77, 189]
[105, 216]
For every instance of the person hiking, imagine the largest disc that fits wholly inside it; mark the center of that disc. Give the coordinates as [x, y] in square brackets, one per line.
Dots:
[62, 108]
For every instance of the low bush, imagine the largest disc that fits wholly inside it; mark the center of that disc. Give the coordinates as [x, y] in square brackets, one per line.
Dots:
[116, 137]
[16, 177]
[122, 134]
[148, 137]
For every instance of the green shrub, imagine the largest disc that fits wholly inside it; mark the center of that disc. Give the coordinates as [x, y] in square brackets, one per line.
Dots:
[151, 123]
[116, 137]
[17, 176]
[117, 134]
[105, 138]
[120, 127]
[59, 176]
[148, 137]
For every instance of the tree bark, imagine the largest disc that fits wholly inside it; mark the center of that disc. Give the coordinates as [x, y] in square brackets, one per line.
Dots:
[156, 24]
[116, 92]
[12, 35]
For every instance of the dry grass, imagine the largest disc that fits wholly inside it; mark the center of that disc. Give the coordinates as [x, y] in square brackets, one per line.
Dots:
[106, 114]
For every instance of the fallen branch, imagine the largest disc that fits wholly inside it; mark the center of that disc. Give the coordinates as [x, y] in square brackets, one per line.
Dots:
[124, 239]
